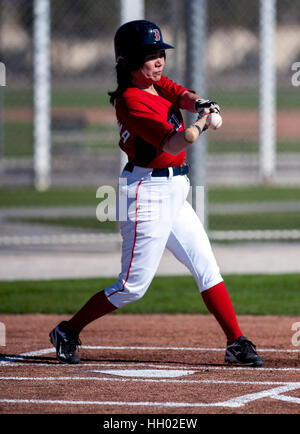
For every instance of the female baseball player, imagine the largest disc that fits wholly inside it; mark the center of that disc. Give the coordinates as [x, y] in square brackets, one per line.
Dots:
[152, 207]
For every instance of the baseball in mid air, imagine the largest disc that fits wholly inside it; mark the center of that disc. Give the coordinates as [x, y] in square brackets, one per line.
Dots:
[214, 121]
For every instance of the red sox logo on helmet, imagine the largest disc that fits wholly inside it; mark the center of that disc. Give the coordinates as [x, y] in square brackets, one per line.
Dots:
[156, 34]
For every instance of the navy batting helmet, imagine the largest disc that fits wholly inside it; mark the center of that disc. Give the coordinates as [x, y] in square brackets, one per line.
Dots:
[139, 37]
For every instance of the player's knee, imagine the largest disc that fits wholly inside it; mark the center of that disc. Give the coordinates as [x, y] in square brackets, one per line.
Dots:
[122, 295]
[135, 296]
[132, 293]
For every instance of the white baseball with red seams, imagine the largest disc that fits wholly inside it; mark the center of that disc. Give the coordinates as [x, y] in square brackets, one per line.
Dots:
[158, 216]
[214, 121]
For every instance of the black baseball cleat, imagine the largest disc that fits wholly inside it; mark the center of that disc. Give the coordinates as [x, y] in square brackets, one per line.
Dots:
[242, 351]
[65, 342]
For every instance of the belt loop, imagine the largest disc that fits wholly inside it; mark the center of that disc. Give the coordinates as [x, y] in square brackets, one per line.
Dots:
[170, 169]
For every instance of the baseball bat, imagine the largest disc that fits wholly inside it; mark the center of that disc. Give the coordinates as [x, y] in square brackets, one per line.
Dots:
[192, 133]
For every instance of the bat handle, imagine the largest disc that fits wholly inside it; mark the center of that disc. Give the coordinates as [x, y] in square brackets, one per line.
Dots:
[192, 133]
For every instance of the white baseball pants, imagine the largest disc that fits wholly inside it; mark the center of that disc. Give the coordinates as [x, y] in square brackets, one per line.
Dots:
[154, 214]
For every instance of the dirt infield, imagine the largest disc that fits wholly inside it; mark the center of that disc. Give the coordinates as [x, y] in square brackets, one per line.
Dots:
[146, 364]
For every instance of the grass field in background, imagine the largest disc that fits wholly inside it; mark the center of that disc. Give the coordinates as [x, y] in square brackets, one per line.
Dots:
[18, 136]
[253, 194]
[249, 98]
[227, 222]
[71, 222]
[255, 221]
[18, 139]
[19, 142]
[26, 197]
[94, 97]
[59, 97]
[86, 196]
[243, 147]
[250, 294]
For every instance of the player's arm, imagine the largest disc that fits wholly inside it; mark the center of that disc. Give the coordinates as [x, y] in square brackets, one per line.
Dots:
[182, 139]
[194, 103]
[205, 109]
[187, 101]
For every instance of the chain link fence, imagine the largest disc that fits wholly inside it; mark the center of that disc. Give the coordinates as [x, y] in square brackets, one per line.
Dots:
[84, 134]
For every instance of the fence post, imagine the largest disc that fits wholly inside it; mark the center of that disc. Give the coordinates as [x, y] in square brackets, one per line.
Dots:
[42, 121]
[2, 84]
[196, 23]
[267, 98]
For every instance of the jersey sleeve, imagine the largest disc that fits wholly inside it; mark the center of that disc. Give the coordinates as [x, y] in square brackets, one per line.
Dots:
[171, 90]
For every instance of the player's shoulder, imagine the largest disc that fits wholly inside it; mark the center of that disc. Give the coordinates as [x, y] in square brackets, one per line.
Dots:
[132, 93]
[131, 98]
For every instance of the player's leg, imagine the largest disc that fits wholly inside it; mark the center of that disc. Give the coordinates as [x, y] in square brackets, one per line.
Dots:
[144, 236]
[141, 254]
[189, 243]
[140, 259]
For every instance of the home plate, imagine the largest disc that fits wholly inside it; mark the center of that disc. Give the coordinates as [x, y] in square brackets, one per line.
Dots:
[146, 373]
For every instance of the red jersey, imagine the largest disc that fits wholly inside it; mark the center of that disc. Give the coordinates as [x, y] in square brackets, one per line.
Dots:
[147, 121]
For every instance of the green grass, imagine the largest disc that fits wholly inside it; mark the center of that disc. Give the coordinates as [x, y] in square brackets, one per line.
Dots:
[250, 294]
[253, 194]
[18, 97]
[18, 136]
[249, 98]
[231, 98]
[80, 98]
[71, 222]
[59, 98]
[255, 221]
[29, 197]
[245, 147]
[64, 197]
[18, 139]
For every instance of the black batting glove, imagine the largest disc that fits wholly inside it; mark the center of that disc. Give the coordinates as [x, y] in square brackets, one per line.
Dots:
[201, 104]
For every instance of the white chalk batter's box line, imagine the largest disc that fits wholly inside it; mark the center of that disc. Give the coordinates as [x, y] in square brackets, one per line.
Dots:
[275, 393]
[17, 360]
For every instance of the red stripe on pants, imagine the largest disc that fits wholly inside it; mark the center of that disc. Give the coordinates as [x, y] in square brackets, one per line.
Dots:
[134, 241]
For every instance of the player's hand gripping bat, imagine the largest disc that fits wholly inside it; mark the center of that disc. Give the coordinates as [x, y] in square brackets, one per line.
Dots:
[211, 111]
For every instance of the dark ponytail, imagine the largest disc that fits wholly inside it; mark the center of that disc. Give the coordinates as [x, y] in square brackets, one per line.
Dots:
[124, 69]
[123, 81]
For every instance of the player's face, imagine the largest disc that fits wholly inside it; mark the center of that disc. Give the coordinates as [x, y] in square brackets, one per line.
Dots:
[150, 72]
